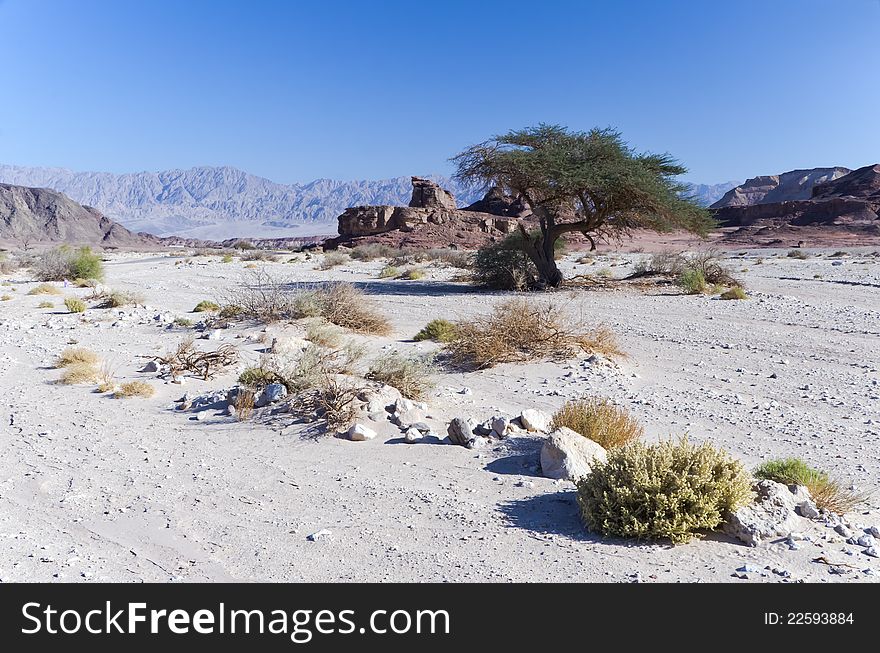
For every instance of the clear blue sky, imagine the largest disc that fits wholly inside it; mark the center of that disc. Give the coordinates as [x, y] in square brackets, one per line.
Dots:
[299, 90]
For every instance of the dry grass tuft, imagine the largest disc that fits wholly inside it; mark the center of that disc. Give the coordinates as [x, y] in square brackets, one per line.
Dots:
[206, 306]
[45, 289]
[203, 364]
[519, 330]
[409, 374]
[828, 493]
[45, 305]
[77, 373]
[134, 389]
[333, 259]
[600, 421]
[75, 305]
[244, 404]
[76, 355]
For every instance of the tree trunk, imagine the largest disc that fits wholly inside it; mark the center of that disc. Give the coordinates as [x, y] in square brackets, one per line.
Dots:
[541, 252]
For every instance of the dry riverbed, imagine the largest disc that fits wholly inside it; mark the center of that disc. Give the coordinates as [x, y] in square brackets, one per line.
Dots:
[97, 488]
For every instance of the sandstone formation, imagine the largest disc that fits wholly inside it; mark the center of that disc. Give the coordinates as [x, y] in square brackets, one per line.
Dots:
[842, 202]
[40, 215]
[430, 220]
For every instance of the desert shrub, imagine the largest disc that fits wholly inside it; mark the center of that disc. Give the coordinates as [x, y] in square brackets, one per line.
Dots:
[413, 274]
[244, 403]
[5, 298]
[77, 373]
[323, 334]
[605, 272]
[344, 305]
[76, 355]
[520, 330]
[409, 374]
[838, 254]
[206, 306]
[708, 263]
[259, 255]
[371, 252]
[437, 330]
[736, 292]
[258, 376]
[204, 364]
[75, 305]
[259, 296]
[600, 421]
[667, 262]
[454, 258]
[332, 259]
[389, 272]
[692, 282]
[332, 403]
[45, 305]
[134, 389]
[828, 494]
[67, 263]
[226, 258]
[85, 283]
[798, 254]
[243, 245]
[504, 266]
[183, 322]
[118, 298]
[667, 490]
[44, 289]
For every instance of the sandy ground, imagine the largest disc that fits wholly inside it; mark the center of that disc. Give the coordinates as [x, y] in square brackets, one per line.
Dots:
[96, 488]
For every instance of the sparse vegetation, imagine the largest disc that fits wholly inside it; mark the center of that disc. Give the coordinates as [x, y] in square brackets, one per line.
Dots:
[389, 272]
[520, 330]
[413, 274]
[828, 494]
[244, 404]
[668, 490]
[332, 260]
[259, 255]
[134, 389]
[736, 292]
[323, 334]
[372, 252]
[46, 305]
[206, 306]
[409, 374]
[119, 298]
[203, 364]
[183, 322]
[45, 289]
[75, 305]
[344, 305]
[439, 330]
[692, 282]
[5, 298]
[68, 263]
[504, 266]
[77, 373]
[76, 355]
[798, 254]
[226, 258]
[599, 420]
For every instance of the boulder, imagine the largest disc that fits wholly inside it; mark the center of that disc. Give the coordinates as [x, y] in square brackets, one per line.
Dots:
[461, 431]
[151, 366]
[569, 455]
[535, 420]
[500, 425]
[379, 399]
[407, 412]
[270, 394]
[359, 433]
[413, 435]
[428, 195]
[771, 515]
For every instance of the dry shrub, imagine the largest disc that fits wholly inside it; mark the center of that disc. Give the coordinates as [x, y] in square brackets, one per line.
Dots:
[519, 330]
[65, 262]
[438, 330]
[667, 490]
[409, 374]
[204, 364]
[413, 274]
[206, 306]
[5, 298]
[259, 255]
[828, 493]
[372, 252]
[76, 355]
[600, 421]
[332, 259]
[344, 305]
[45, 305]
[708, 263]
[667, 262]
[44, 289]
[734, 293]
[389, 272]
[305, 370]
[119, 298]
[323, 334]
[259, 297]
[798, 254]
[244, 404]
[134, 389]
[77, 373]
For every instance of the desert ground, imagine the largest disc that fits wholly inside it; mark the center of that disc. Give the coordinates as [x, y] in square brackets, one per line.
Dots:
[94, 488]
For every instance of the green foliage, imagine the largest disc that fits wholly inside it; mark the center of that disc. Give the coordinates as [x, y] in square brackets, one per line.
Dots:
[667, 490]
[389, 272]
[413, 274]
[504, 266]
[65, 262]
[183, 322]
[206, 306]
[790, 471]
[734, 293]
[409, 374]
[258, 377]
[226, 258]
[75, 305]
[599, 420]
[439, 330]
[692, 282]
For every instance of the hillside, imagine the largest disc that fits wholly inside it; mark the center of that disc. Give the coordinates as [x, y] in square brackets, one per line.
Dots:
[40, 215]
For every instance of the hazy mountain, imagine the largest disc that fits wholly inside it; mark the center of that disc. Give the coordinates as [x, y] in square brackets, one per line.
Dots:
[707, 194]
[785, 187]
[209, 202]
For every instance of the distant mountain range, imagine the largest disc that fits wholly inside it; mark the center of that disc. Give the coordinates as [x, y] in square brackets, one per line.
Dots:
[224, 202]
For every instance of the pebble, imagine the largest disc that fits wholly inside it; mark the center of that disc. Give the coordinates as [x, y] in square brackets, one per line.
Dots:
[321, 534]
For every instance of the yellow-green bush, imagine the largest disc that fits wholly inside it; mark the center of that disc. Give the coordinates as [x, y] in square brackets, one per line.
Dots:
[692, 282]
[206, 306]
[75, 305]
[734, 293]
[600, 421]
[134, 389]
[389, 272]
[439, 330]
[668, 490]
[409, 374]
[827, 493]
[44, 289]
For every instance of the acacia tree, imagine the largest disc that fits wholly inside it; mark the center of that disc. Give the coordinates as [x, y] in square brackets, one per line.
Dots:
[588, 182]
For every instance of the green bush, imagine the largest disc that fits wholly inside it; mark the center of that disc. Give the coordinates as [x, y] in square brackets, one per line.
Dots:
[67, 263]
[75, 305]
[413, 274]
[734, 293]
[389, 272]
[692, 282]
[504, 266]
[206, 306]
[437, 330]
[667, 490]
[790, 471]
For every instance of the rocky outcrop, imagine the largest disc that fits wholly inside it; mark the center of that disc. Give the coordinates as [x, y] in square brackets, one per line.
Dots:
[804, 200]
[431, 220]
[41, 215]
[497, 203]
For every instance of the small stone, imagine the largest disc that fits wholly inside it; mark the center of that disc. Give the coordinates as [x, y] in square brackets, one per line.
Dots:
[460, 431]
[465, 391]
[360, 433]
[270, 394]
[843, 531]
[535, 420]
[478, 442]
[152, 366]
[872, 551]
[321, 534]
[866, 540]
[413, 435]
[202, 416]
[749, 569]
[808, 509]
[873, 530]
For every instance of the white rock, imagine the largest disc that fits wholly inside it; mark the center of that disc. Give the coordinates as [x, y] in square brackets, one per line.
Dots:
[359, 433]
[867, 540]
[873, 530]
[872, 551]
[569, 455]
[500, 424]
[478, 442]
[270, 394]
[413, 435]
[379, 399]
[321, 534]
[771, 515]
[535, 420]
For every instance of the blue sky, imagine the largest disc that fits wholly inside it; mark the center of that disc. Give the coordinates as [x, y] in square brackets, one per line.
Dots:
[299, 90]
